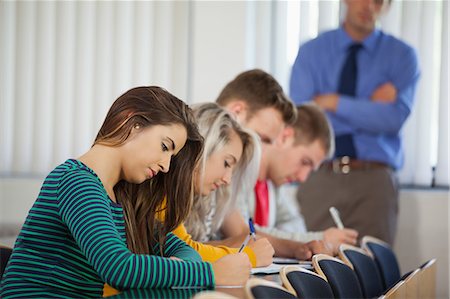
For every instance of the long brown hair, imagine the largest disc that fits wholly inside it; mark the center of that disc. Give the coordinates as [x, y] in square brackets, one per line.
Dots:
[149, 106]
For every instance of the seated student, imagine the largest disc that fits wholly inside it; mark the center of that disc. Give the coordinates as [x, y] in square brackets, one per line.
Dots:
[300, 149]
[259, 104]
[227, 152]
[74, 238]
[228, 149]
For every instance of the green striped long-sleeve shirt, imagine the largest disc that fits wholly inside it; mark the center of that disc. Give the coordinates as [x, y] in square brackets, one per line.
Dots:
[73, 241]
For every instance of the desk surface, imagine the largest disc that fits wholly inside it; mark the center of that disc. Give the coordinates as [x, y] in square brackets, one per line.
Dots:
[240, 292]
[188, 292]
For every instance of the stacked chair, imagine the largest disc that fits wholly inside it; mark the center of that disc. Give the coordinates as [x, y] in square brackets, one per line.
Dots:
[341, 277]
[305, 283]
[419, 283]
[365, 268]
[385, 260]
[258, 288]
[427, 280]
[369, 272]
[398, 291]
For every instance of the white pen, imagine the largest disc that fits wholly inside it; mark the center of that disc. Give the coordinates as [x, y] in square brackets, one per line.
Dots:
[335, 214]
[244, 244]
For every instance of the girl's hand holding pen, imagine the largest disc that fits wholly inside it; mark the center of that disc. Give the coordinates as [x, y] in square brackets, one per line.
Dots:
[263, 251]
[261, 247]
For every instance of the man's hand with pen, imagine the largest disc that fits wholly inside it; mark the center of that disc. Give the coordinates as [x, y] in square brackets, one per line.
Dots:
[334, 237]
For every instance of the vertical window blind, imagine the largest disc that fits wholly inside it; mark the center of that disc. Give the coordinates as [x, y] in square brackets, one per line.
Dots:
[63, 63]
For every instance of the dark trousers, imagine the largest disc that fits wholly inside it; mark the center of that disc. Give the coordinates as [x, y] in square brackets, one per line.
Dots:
[366, 199]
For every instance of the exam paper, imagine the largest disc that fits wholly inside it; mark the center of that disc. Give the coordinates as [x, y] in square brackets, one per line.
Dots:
[274, 268]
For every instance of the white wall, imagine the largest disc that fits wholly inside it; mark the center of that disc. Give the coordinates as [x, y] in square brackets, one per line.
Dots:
[211, 25]
[423, 231]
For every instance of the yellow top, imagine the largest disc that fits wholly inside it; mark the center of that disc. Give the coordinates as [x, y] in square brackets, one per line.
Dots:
[210, 253]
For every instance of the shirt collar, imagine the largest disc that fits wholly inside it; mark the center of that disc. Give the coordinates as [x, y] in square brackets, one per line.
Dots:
[369, 43]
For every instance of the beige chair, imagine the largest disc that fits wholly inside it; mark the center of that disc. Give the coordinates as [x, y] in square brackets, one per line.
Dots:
[412, 284]
[427, 280]
[258, 288]
[398, 291]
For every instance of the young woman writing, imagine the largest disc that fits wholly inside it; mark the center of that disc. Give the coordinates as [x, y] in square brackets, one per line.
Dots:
[226, 154]
[228, 150]
[75, 238]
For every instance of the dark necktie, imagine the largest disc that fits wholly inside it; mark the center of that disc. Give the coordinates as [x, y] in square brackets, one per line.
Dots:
[347, 86]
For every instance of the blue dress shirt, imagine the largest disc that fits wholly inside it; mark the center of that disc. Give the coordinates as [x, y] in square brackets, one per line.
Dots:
[376, 127]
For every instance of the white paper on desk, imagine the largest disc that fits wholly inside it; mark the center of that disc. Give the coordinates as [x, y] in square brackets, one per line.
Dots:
[275, 268]
[288, 261]
[271, 269]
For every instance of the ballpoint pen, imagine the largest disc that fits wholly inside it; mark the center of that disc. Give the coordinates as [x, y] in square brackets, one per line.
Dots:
[252, 228]
[244, 243]
[335, 214]
[251, 234]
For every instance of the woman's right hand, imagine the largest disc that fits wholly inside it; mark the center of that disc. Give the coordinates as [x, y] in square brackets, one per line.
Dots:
[232, 269]
[263, 250]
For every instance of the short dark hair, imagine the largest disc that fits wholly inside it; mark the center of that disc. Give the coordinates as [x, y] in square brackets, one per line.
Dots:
[258, 90]
[311, 125]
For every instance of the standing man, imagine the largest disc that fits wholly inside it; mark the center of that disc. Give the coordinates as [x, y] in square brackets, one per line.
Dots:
[366, 81]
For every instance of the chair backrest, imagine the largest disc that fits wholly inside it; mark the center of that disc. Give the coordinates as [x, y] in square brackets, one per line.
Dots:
[385, 260]
[427, 280]
[412, 284]
[305, 283]
[341, 277]
[398, 291]
[365, 268]
[5, 253]
[257, 288]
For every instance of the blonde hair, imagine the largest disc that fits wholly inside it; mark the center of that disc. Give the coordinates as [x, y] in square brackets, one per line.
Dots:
[216, 125]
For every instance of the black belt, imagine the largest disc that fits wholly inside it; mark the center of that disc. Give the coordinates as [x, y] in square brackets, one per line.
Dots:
[345, 165]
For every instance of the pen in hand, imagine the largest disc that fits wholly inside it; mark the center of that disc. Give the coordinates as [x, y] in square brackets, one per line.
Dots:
[252, 228]
[244, 243]
[251, 234]
[335, 214]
